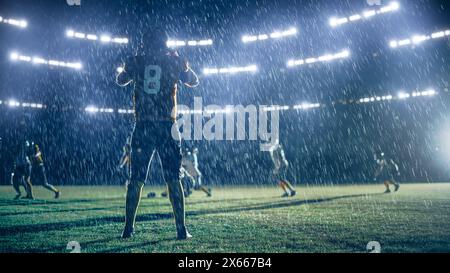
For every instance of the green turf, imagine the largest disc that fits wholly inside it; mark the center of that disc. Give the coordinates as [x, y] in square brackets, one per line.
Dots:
[245, 219]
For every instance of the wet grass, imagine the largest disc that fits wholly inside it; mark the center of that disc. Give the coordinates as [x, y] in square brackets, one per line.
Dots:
[235, 219]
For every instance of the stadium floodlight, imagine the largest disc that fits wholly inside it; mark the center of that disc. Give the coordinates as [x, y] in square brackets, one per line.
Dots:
[125, 111]
[13, 103]
[93, 37]
[325, 58]
[230, 70]
[403, 95]
[338, 21]
[180, 43]
[404, 42]
[14, 56]
[274, 108]
[74, 65]
[247, 39]
[120, 40]
[105, 39]
[205, 42]
[355, 17]
[274, 35]
[437, 35]
[14, 22]
[263, 37]
[91, 109]
[70, 33]
[106, 110]
[369, 13]
[426, 93]
[430, 92]
[418, 39]
[393, 6]
[79, 35]
[306, 106]
[38, 60]
[24, 58]
[376, 99]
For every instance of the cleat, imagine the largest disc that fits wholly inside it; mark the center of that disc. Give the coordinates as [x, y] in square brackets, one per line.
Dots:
[387, 191]
[151, 195]
[164, 194]
[183, 235]
[397, 186]
[17, 197]
[57, 194]
[293, 193]
[285, 195]
[127, 233]
[209, 194]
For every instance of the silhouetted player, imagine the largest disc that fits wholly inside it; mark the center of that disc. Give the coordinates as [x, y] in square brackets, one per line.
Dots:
[38, 172]
[386, 171]
[21, 176]
[155, 73]
[280, 169]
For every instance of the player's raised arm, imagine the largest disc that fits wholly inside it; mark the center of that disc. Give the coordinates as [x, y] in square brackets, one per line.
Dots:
[396, 167]
[188, 77]
[123, 78]
[378, 171]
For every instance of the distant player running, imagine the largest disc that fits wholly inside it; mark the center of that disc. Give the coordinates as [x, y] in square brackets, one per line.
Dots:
[21, 176]
[192, 174]
[38, 172]
[280, 171]
[386, 171]
[155, 74]
[190, 165]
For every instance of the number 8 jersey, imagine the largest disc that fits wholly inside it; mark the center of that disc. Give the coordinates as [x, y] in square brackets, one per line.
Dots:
[155, 78]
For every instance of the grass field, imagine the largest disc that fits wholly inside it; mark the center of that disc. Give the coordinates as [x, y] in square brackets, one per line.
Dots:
[244, 219]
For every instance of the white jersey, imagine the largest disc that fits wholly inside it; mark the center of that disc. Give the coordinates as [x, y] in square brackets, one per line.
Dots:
[278, 157]
[190, 164]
